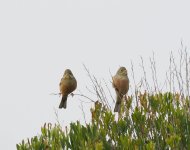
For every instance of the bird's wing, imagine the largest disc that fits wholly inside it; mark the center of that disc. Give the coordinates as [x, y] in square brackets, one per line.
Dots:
[115, 83]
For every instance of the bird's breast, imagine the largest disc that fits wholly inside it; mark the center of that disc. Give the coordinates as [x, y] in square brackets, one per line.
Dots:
[121, 84]
[68, 86]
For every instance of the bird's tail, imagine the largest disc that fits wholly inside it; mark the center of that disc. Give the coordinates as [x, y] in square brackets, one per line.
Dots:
[118, 104]
[63, 103]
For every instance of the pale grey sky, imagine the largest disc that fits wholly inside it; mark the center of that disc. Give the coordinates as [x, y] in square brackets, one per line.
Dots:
[39, 39]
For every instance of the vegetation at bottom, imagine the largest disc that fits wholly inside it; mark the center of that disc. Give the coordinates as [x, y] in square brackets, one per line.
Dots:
[157, 121]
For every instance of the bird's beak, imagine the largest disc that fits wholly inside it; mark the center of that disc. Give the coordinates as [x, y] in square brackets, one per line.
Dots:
[125, 71]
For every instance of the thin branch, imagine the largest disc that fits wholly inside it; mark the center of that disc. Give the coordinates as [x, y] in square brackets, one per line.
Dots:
[84, 97]
[84, 116]
[144, 72]
[109, 92]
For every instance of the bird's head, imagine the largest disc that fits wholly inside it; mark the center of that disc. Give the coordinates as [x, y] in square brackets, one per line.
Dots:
[68, 71]
[122, 71]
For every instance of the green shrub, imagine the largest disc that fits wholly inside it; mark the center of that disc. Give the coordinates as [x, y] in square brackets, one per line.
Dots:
[159, 121]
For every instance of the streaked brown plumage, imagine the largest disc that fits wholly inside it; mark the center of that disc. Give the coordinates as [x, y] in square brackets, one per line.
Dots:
[121, 85]
[67, 85]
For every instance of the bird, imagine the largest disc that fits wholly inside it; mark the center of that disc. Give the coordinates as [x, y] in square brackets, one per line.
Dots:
[121, 85]
[67, 85]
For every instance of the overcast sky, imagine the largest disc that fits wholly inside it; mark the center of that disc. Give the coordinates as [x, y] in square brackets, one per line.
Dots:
[39, 39]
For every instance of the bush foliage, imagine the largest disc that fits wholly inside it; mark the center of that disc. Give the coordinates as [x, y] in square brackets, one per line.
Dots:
[157, 121]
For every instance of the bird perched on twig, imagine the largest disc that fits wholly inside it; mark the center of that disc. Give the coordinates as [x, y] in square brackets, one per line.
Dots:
[121, 85]
[67, 85]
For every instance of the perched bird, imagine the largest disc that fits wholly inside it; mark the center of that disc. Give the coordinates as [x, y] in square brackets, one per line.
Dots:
[121, 85]
[67, 85]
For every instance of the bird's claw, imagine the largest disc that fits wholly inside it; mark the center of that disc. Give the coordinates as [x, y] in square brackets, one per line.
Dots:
[72, 94]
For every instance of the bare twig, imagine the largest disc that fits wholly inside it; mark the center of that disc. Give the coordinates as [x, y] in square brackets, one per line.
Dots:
[154, 73]
[56, 94]
[56, 116]
[134, 81]
[98, 89]
[84, 97]
[109, 91]
[84, 116]
[145, 77]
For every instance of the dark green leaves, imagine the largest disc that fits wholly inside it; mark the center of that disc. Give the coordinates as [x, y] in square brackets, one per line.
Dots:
[160, 121]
